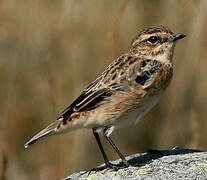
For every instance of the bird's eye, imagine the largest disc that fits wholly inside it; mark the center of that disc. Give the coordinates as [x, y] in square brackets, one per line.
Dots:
[153, 39]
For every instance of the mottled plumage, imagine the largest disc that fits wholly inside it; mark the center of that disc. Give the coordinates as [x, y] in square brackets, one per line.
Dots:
[128, 88]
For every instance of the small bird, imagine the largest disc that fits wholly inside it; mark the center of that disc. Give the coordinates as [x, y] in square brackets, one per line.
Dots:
[128, 88]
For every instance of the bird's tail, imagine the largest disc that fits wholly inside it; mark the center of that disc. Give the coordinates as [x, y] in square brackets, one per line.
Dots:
[48, 131]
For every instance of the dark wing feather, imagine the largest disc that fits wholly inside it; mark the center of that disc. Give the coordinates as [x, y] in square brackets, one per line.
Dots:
[86, 101]
[147, 71]
[92, 100]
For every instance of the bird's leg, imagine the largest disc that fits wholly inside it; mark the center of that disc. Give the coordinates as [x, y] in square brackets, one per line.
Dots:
[101, 147]
[107, 133]
[108, 164]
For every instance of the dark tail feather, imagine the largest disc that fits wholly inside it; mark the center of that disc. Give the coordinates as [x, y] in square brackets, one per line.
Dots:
[48, 131]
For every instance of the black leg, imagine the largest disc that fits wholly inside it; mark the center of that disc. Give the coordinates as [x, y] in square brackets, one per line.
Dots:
[124, 161]
[101, 147]
[108, 164]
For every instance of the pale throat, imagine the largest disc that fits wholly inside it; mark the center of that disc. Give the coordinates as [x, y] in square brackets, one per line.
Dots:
[164, 58]
[164, 54]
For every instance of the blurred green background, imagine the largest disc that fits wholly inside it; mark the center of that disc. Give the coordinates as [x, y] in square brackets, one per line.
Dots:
[51, 50]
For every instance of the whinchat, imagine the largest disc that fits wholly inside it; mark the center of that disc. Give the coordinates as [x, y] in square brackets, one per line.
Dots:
[128, 88]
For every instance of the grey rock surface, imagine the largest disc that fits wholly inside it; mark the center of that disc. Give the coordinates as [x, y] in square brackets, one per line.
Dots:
[185, 164]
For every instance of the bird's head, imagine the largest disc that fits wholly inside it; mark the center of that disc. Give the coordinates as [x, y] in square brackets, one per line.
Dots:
[156, 42]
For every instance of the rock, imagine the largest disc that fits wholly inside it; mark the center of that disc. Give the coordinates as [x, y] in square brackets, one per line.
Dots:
[168, 164]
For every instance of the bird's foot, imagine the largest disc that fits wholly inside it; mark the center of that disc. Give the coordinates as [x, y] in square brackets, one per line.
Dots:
[116, 167]
[96, 170]
[110, 165]
[125, 163]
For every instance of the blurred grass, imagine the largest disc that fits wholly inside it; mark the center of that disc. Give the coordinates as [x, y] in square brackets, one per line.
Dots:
[50, 51]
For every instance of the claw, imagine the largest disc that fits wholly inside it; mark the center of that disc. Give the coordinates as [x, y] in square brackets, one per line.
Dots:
[110, 165]
[96, 169]
[116, 167]
[125, 163]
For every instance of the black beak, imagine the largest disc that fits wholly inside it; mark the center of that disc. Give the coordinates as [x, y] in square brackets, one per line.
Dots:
[175, 37]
